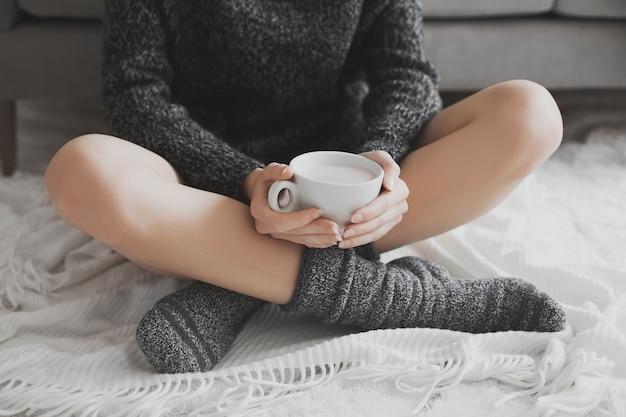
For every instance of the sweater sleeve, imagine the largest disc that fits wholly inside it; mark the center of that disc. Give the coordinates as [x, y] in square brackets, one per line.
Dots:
[139, 105]
[403, 85]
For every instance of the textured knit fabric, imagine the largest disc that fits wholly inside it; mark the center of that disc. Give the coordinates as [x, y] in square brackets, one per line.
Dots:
[221, 87]
[193, 328]
[367, 251]
[342, 287]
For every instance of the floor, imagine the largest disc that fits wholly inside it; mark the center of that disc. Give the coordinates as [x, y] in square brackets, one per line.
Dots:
[44, 125]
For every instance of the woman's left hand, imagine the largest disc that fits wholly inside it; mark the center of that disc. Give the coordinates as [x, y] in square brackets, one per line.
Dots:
[375, 220]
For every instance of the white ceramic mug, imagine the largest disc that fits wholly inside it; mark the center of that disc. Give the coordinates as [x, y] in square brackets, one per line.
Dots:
[339, 183]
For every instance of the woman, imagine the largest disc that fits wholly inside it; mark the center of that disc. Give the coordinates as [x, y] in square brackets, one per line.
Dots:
[208, 99]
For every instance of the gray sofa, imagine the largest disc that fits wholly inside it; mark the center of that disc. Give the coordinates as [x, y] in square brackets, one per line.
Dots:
[51, 48]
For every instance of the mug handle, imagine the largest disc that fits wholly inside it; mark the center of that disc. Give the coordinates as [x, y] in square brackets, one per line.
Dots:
[275, 189]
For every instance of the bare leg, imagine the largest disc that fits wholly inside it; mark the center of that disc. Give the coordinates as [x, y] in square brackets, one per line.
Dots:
[132, 200]
[473, 155]
[475, 152]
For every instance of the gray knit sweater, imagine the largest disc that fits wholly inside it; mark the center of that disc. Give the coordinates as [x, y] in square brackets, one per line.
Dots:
[220, 87]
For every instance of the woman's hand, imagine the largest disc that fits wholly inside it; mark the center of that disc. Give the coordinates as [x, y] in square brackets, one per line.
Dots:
[304, 227]
[373, 221]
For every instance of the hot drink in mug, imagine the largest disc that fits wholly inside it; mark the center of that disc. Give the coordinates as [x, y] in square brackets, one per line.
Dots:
[339, 183]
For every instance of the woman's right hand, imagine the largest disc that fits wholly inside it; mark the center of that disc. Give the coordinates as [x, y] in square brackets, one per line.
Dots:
[305, 227]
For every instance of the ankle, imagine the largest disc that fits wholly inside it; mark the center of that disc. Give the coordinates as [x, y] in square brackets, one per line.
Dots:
[368, 251]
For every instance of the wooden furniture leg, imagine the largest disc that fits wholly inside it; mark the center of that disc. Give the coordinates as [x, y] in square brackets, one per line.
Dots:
[8, 137]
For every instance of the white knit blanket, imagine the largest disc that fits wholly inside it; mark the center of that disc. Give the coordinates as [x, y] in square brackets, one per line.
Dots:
[69, 307]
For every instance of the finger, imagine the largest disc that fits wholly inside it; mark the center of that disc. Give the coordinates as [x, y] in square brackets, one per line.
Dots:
[389, 165]
[376, 208]
[276, 222]
[372, 236]
[318, 227]
[384, 202]
[271, 173]
[297, 223]
[357, 229]
[311, 241]
[389, 182]
[276, 171]
[320, 233]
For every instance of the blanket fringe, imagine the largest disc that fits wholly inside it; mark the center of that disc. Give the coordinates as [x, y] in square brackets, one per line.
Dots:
[559, 388]
[431, 380]
[190, 395]
[27, 267]
[17, 275]
[585, 385]
[576, 384]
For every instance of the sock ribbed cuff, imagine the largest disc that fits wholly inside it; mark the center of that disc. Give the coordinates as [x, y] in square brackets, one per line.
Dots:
[317, 281]
[192, 329]
[368, 251]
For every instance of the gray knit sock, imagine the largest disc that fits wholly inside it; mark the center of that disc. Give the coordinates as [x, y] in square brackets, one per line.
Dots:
[340, 286]
[193, 328]
[368, 251]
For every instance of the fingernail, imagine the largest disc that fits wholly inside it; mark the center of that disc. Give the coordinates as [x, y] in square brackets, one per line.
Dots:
[345, 244]
[349, 233]
[356, 218]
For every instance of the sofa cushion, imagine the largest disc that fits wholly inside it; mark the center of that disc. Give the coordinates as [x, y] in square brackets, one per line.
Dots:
[596, 8]
[559, 53]
[79, 9]
[485, 8]
[9, 13]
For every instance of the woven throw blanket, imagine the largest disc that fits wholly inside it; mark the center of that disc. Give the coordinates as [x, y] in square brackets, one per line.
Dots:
[69, 306]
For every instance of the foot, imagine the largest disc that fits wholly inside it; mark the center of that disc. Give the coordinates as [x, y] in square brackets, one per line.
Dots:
[342, 287]
[192, 329]
[480, 305]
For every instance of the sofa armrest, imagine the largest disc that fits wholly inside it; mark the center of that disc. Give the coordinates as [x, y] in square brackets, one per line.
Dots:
[9, 13]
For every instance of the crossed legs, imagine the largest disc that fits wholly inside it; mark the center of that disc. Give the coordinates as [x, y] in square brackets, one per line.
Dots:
[472, 155]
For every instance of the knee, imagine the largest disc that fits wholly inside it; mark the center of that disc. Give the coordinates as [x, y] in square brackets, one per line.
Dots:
[531, 122]
[81, 186]
[69, 169]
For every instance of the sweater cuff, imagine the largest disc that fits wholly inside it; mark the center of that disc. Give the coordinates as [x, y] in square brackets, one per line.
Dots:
[383, 140]
[234, 188]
